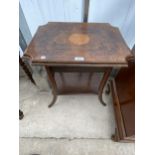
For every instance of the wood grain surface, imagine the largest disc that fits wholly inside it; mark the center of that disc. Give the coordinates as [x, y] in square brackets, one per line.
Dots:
[78, 43]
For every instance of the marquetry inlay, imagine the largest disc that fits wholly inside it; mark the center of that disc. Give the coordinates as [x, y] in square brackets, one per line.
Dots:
[79, 39]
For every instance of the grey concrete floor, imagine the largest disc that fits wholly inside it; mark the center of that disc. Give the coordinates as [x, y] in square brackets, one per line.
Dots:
[76, 124]
[74, 147]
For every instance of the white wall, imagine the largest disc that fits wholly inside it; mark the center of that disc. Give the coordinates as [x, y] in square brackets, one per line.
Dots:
[39, 12]
[119, 13]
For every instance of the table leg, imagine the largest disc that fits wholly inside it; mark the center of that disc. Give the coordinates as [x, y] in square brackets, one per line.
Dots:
[52, 82]
[21, 114]
[102, 85]
[108, 89]
[26, 70]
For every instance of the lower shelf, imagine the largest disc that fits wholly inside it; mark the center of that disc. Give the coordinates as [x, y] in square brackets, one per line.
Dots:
[74, 83]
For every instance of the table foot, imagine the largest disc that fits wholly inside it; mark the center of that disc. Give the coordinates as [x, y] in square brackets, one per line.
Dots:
[101, 100]
[53, 101]
[115, 137]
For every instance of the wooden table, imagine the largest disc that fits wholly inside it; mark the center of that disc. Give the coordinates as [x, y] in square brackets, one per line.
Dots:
[77, 48]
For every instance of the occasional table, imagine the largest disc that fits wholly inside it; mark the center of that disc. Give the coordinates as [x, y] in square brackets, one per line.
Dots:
[73, 54]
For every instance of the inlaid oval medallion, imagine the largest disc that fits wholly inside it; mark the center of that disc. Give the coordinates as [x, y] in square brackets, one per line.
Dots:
[79, 39]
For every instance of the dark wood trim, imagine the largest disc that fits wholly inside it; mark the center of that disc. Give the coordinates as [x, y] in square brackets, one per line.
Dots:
[26, 70]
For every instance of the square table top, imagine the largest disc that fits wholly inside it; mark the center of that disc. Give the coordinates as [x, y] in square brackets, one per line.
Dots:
[78, 43]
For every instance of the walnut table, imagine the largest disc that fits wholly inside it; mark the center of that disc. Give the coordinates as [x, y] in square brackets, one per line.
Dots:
[74, 53]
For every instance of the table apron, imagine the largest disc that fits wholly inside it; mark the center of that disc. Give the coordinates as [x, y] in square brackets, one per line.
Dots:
[79, 69]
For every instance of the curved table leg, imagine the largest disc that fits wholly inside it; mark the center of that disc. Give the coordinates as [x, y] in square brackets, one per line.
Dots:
[53, 85]
[107, 92]
[102, 85]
